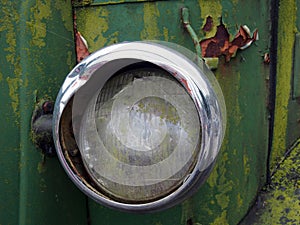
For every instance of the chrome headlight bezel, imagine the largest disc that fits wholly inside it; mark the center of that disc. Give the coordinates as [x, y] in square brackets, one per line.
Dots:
[197, 80]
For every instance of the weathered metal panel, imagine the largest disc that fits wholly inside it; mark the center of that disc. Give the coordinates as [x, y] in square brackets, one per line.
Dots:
[293, 129]
[105, 2]
[9, 120]
[296, 71]
[280, 203]
[37, 51]
[287, 108]
[240, 170]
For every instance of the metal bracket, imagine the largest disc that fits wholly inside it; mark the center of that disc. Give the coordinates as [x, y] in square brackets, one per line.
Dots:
[41, 127]
[212, 63]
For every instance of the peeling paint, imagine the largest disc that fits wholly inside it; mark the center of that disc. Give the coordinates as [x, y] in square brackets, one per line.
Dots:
[223, 188]
[220, 43]
[212, 179]
[287, 28]
[81, 47]
[222, 200]
[65, 13]
[166, 34]
[40, 12]
[8, 26]
[151, 30]
[224, 185]
[246, 164]
[95, 25]
[238, 116]
[221, 220]
[13, 84]
[212, 8]
[239, 200]
[20, 60]
[221, 179]
[70, 59]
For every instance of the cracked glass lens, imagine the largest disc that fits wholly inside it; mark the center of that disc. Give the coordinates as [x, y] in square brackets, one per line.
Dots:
[141, 135]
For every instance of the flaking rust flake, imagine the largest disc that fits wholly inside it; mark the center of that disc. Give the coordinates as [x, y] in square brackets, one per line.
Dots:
[220, 45]
[81, 47]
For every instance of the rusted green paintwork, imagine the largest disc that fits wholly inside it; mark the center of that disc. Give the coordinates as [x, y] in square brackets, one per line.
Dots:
[240, 170]
[37, 51]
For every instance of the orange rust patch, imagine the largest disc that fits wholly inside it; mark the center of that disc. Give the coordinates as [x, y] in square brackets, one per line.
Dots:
[220, 44]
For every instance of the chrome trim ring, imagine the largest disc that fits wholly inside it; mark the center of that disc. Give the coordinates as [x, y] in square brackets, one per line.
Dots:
[89, 76]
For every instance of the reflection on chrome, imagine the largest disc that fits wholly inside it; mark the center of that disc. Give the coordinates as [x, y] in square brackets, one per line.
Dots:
[148, 123]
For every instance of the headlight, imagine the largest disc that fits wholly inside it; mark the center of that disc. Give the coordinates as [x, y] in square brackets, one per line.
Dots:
[138, 126]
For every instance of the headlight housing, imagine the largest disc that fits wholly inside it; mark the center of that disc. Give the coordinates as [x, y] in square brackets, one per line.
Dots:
[138, 125]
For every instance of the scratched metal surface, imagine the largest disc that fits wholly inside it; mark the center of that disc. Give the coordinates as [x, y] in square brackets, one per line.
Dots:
[241, 167]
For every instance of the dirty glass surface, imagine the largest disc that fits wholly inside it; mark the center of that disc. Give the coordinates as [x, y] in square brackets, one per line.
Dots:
[140, 135]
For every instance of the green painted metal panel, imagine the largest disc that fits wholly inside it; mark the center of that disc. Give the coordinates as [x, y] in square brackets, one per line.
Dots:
[240, 170]
[293, 129]
[105, 2]
[37, 51]
[296, 74]
[9, 154]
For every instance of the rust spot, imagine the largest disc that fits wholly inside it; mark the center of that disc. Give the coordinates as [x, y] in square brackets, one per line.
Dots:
[217, 45]
[208, 24]
[220, 44]
[81, 47]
